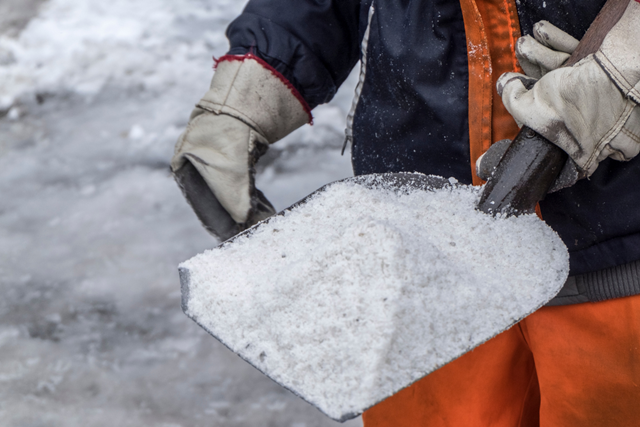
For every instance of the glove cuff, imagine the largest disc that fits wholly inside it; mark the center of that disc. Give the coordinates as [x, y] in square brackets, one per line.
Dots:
[619, 55]
[249, 89]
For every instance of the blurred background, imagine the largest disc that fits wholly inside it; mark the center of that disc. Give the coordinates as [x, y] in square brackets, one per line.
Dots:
[93, 95]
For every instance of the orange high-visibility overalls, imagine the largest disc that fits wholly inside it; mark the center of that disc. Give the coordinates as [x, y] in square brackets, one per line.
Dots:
[564, 366]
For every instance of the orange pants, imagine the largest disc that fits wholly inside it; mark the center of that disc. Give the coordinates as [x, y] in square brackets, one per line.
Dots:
[565, 366]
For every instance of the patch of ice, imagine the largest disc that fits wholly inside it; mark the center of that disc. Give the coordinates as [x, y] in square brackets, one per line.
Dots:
[137, 132]
[92, 225]
[360, 291]
[14, 114]
[80, 47]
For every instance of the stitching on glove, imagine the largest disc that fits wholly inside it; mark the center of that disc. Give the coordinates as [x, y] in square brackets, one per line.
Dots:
[238, 115]
[256, 147]
[222, 109]
[273, 71]
[196, 158]
[226, 96]
[634, 93]
[614, 74]
[632, 136]
[608, 137]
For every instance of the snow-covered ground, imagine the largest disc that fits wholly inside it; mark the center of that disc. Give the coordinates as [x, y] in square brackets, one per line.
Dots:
[93, 96]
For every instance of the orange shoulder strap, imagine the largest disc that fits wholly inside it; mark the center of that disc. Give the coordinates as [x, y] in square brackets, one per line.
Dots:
[492, 29]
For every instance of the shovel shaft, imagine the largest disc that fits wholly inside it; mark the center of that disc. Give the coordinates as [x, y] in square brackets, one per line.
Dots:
[523, 176]
[532, 163]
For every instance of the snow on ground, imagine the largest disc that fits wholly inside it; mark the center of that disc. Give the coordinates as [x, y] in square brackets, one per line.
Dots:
[93, 96]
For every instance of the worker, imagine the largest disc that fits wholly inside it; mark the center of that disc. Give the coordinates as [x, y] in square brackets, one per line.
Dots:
[441, 81]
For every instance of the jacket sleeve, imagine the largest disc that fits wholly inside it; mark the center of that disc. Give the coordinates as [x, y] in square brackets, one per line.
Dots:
[313, 43]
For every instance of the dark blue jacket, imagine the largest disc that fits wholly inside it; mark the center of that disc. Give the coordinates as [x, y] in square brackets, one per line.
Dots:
[413, 111]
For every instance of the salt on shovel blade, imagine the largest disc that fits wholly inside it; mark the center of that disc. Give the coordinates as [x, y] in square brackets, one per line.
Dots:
[369, 284]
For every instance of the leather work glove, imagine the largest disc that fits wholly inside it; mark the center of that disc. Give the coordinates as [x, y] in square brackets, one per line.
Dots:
[547, 50]
[590, 110]
[248, 106]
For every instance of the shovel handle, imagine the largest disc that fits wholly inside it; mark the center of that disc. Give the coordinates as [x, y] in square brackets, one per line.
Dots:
[532, 163]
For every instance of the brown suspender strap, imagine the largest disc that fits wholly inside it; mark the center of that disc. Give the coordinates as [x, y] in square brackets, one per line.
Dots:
[492, 29]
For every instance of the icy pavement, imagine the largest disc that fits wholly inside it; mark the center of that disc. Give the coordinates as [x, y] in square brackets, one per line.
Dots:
[93, 96]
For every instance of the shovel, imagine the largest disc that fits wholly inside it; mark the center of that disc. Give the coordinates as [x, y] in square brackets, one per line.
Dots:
[343, 386]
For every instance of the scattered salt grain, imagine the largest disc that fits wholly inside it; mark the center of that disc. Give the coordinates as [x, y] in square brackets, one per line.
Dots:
[363, 290]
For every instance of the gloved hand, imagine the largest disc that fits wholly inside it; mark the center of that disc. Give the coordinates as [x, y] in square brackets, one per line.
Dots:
[589, 110]
[248, 107]
[546, 51]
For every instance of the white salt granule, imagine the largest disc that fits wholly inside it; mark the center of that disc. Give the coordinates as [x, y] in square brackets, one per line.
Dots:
[363, 290]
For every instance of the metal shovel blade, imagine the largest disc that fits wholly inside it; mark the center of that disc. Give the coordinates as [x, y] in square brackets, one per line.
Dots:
[346, 353]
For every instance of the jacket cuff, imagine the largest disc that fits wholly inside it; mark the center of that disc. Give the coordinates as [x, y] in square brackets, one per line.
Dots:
[248, 88]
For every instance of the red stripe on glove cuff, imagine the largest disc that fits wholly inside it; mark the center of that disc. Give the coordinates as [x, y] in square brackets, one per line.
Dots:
[275, 72]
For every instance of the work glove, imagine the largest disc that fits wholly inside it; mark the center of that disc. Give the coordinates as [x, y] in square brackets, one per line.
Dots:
[248, 106]
[590, 110]
[547, 50]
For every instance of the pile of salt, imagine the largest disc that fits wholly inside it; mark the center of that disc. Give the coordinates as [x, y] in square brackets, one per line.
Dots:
[363, 290]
